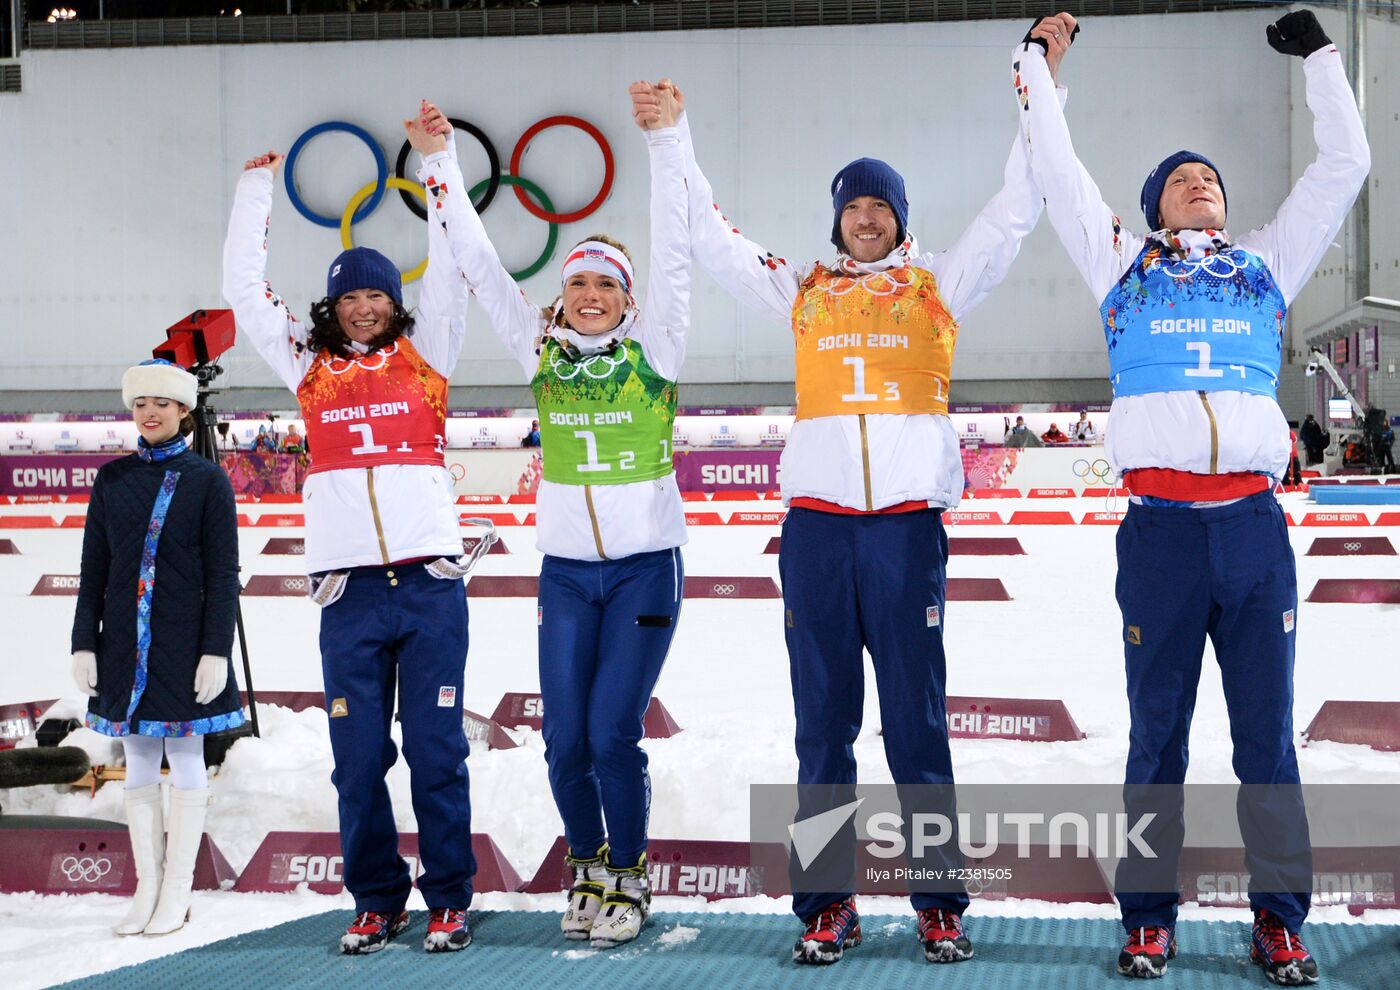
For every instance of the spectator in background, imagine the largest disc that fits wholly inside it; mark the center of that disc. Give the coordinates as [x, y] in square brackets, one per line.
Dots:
[1021, 436]
[263, 441]
[1386, 445]
[532, 439]
[1314, 439]
[292, 443]
[1083, 429]
[1053, 435]
[1294, 474]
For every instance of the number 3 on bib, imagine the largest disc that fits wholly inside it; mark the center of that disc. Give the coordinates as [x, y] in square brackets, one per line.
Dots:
[859, 394]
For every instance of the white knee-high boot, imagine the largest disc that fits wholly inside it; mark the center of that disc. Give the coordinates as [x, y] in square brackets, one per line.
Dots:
[146, 825]
[187, 811]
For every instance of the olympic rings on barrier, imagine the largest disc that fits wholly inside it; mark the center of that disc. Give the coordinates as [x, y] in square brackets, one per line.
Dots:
[367, 198]
[381, 172]
[492, 158]
[587, 128]
[86, 869]
[553, 239]
[364, 192]
[1088, 472]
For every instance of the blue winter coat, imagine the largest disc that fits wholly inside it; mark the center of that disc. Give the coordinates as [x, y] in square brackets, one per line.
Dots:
[193, 597]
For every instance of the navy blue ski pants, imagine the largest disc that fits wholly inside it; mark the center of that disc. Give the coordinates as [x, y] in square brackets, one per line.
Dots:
[868, 582]
[399, 624]
[604, 630]
[1226, 573]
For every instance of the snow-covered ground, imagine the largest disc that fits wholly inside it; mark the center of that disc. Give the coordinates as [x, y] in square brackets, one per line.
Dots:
[726, 684]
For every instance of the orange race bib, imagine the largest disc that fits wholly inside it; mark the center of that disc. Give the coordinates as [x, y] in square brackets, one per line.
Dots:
[880, 343]
[389, 407]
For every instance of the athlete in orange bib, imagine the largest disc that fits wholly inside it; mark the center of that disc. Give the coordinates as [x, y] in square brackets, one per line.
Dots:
[871, 463]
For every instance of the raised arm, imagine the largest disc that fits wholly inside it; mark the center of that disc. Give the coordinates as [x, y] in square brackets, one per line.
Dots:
[440, 325]
[1094, 237]
[665, 313]
[979, 259]
[1309, 219]
[261, 315]
[743, 268]
[515, 320]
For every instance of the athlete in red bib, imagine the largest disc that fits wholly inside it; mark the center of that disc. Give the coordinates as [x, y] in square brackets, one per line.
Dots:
[382, 541]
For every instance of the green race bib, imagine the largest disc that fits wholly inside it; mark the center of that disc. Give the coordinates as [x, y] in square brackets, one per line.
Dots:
[605, 419]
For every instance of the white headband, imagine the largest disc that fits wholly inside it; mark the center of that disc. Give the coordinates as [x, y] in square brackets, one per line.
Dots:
[604, 259]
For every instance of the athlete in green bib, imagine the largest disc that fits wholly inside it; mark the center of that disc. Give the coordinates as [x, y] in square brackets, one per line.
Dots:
[610, 524]
[605, 418]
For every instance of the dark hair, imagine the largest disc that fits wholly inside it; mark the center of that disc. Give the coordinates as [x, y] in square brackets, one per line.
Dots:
[186, 424]
[326, 334]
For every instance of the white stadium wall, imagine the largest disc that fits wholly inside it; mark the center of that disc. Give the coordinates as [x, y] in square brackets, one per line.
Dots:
[1327, 292]
[120, 166]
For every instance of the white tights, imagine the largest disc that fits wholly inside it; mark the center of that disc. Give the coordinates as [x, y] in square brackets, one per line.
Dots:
[185, 754]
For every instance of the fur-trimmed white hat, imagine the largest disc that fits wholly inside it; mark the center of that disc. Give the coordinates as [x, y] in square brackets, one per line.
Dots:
[161, 379]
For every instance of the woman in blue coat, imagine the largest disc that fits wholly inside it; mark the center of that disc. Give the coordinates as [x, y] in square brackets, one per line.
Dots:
[154, 631]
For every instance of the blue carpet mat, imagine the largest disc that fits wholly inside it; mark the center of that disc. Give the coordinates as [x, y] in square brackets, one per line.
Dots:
[514, 950]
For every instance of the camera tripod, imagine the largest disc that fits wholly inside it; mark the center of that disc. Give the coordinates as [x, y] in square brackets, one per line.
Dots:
[205, 445]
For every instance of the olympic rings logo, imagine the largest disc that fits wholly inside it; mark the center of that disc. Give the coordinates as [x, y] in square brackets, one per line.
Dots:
[85, 870]
[368, 197]
[724, 589]
[560, 364]
[875, 283]
[339, 365]
[1351, 547]
[977, 884]
[1223, 266]
[1087, 471]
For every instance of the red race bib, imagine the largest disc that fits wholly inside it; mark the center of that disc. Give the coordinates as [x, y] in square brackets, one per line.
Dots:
[389, 407]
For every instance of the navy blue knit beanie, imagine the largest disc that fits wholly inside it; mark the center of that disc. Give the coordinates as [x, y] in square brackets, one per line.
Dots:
[869, 177]
[1157, 179]
[363, 268]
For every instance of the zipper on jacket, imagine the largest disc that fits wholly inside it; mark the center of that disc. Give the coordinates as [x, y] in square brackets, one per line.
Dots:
[865, 464]
[374, 510]
[593, 520]
[1214, 435]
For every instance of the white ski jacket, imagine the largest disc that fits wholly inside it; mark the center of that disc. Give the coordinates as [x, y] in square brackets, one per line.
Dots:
[355, 517]
[875, 461]
[597, 522]
[1219, 432]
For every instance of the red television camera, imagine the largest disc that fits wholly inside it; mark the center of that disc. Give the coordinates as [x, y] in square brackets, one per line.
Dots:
[198, 339]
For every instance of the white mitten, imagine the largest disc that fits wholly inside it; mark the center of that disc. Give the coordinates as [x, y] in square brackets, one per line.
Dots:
[210, 678]
[85, 672]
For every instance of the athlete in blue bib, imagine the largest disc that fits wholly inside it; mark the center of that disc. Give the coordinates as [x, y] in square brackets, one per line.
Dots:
[1210, 324]
[1194, 324]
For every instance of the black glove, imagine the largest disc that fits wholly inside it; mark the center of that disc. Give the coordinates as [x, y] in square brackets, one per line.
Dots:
[1298, 34]
[1028, 40]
